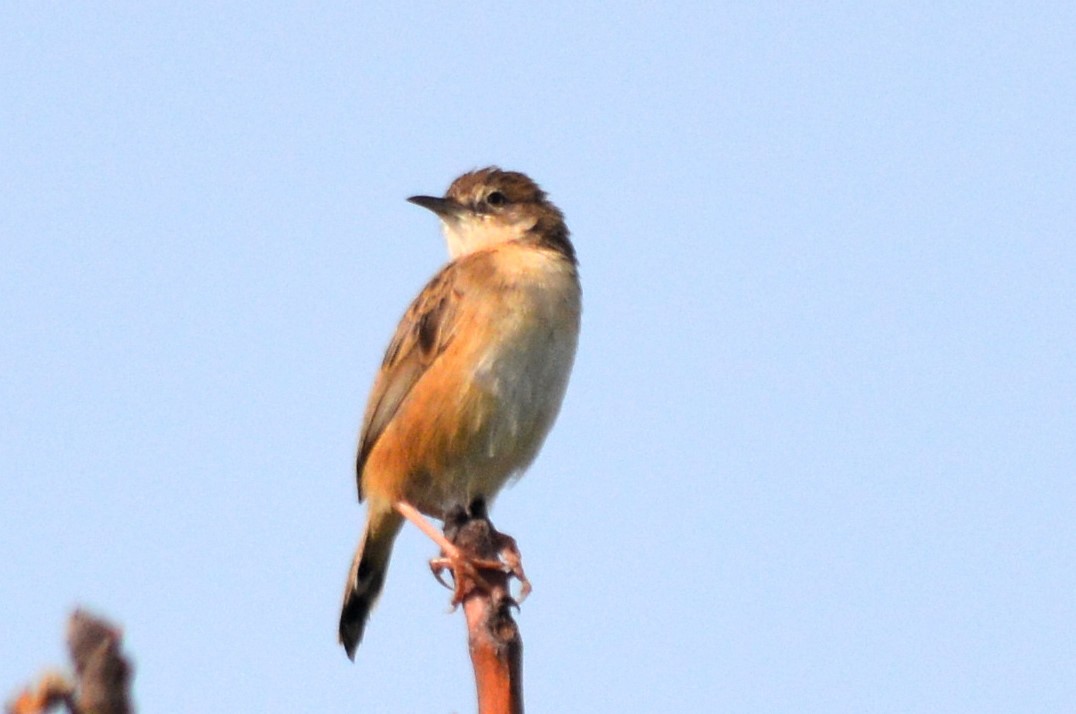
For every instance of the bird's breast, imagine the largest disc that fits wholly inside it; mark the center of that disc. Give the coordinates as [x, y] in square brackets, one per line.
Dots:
[521, 368]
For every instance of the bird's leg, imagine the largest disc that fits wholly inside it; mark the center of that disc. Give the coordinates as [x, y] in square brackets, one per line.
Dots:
[464, 567]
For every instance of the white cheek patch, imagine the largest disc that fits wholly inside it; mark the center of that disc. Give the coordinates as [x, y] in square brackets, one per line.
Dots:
[466, 235]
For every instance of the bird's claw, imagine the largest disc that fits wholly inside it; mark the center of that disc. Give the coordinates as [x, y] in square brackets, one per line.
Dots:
[466, 573]
[512, 563]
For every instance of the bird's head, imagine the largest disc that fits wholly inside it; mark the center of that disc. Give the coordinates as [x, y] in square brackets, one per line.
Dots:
[489, 206]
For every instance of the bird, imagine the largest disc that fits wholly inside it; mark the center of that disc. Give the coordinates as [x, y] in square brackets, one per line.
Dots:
[472, 380]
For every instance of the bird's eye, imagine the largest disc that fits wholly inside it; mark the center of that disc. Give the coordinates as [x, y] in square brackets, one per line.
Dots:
[496, 199]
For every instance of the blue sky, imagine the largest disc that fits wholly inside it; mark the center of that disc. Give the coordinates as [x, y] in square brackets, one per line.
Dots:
[817, 454]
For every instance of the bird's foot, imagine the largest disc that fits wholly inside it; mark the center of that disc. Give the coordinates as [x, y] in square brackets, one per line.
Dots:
[466, 573]
[487, 549]
[512, 561]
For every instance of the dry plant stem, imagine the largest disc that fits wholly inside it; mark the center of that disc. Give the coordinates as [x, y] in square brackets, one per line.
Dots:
[495, 643]
[103, 674]
[52, 690]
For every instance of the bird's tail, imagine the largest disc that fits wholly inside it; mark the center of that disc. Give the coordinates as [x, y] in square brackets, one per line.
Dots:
[367, 575]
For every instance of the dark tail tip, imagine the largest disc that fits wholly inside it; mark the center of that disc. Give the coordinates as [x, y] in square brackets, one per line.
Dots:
[353, 622]
[367, 577]
[359, 600]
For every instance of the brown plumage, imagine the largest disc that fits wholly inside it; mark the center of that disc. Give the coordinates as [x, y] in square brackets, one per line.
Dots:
[475, 374]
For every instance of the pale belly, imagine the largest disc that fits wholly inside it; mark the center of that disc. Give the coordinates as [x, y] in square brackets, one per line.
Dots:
[513, 397]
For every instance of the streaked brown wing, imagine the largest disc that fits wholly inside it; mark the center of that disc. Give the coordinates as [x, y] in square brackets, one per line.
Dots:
[422, 335]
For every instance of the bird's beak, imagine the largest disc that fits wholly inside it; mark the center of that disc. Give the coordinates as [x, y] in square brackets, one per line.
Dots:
[444, 208]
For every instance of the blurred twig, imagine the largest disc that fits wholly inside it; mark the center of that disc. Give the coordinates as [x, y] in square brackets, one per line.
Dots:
[102, 674]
